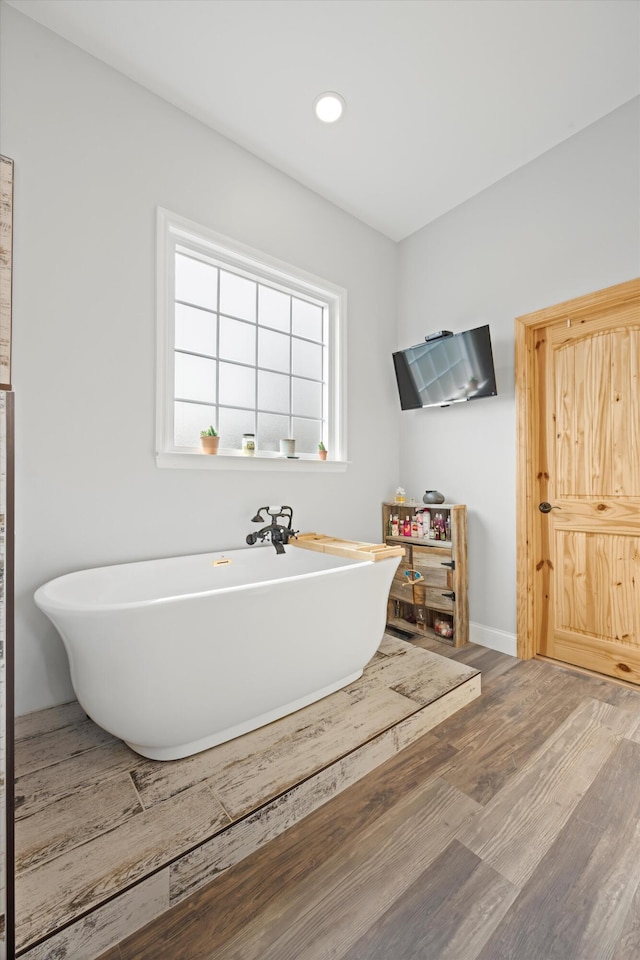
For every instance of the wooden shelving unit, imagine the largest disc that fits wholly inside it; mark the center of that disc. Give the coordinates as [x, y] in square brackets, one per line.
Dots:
[428, 595]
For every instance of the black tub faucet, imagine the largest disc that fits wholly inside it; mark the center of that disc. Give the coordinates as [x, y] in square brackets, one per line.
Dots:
[278, 533]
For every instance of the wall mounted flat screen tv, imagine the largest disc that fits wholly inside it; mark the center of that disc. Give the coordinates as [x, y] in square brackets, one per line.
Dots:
[445, 369]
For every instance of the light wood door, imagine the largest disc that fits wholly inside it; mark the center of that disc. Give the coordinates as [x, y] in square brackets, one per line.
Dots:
[579, 424]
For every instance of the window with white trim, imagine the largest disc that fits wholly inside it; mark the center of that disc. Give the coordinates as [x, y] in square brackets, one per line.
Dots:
[246, 344]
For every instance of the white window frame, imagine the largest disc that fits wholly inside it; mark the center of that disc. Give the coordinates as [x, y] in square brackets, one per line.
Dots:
[175, 231]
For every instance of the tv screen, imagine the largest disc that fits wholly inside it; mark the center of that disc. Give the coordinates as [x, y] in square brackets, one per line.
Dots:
[449, 369]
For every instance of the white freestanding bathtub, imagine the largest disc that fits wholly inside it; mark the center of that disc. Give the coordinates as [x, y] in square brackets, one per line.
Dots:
[174, 656]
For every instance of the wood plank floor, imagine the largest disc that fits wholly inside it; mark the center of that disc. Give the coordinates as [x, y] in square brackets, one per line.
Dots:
[511, 831]
[106, 839]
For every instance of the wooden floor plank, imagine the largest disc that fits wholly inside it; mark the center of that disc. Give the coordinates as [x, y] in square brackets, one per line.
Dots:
[49, 895]
[328, 912]
[578, 899]
[267, 774]
[448, 913]
[628, 945]
[50, 748]
[414, 673]
[227, 905]
[519, 825]
[157, 782]
[36, 790]
[506, 740]
[63, 826]
[44, 721]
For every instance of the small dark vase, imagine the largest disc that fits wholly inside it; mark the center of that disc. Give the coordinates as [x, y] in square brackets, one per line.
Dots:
[432, 496]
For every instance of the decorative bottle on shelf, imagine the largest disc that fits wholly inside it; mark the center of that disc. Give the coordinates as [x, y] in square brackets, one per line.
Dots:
[395, 527]
[447, 527]
[420, 532]
[406, 527]
[414, 527]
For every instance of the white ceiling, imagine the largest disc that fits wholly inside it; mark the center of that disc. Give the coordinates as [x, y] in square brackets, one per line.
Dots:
[444, 97]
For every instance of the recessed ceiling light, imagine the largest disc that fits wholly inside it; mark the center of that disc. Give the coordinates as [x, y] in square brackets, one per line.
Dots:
[329, 107]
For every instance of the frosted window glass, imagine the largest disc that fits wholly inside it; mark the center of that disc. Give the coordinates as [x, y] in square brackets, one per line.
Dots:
[196, 282]
[237, 340]
[271, 430]
[233, 423]
[195, 378]
[306, 398]
[308, 434]
[273, 350]
[274, 308]
[273, 392]
[189, 420]
[237, 386]
[307, 319]
[237, 296]
[306, 359]
[195, 330]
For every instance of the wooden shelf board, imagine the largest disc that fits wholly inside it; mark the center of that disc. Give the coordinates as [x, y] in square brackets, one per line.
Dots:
[406, 626]
[421, 542]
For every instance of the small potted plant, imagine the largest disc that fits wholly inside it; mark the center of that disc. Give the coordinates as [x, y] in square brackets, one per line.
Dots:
[322, 451]
[209, 440]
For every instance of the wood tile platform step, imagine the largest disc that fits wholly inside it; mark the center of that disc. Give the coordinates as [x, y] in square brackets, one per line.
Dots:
[509, 832]
[107, 840]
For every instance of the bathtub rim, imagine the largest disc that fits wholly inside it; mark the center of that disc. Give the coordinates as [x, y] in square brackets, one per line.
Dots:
[46, 603]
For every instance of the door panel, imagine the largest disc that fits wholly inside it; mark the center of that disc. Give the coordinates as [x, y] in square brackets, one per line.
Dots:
[583, 456]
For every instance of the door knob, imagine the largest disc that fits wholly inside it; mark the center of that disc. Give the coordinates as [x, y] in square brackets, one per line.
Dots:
[545, 507]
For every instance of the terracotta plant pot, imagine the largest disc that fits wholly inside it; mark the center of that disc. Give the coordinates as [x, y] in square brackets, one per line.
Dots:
[209, 444]
[322, 454]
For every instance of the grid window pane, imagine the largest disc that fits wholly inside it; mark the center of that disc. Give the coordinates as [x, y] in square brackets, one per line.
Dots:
[274, 308]
[273, 392]
[237, 296]
[308, 434]
[195, 378]
[306, 359]
[237, 340]
[237, 386]
[253, 348]
[188, 420]
[233, 423]
[306, 398]
[273, 350]
[195, 330]
[271, 430]
[306, 319]
[196, 282]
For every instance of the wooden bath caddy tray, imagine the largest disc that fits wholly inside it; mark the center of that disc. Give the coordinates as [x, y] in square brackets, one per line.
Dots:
[353, 549]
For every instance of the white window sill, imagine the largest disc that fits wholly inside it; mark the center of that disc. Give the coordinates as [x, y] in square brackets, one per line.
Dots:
[234, 460]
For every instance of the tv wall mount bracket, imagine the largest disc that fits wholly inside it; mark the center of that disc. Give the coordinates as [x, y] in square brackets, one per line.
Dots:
[439, 335]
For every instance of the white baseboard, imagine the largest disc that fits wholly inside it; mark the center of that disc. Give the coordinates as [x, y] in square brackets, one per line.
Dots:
[494, 639]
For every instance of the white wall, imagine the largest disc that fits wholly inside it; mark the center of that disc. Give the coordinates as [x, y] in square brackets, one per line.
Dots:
[566, 224]
[94, 155]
